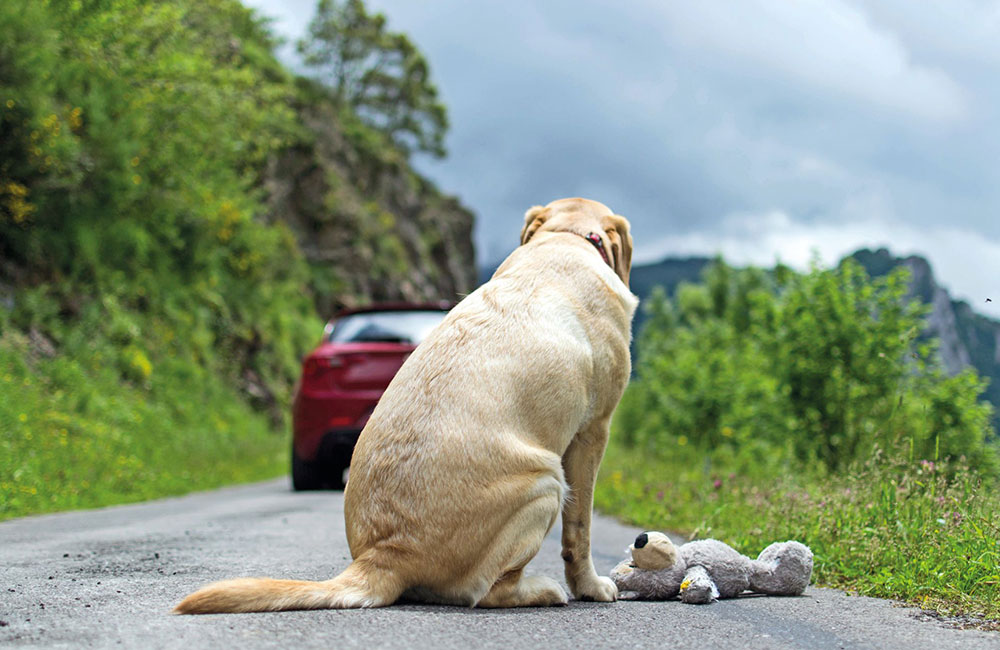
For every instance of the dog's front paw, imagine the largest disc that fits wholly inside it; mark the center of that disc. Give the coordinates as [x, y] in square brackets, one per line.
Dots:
[597, 588]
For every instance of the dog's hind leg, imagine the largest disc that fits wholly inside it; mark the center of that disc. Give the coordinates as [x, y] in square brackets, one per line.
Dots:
[518, 542]
[518, 590]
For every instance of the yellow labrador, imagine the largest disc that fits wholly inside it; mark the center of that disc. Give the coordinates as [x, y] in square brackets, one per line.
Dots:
[495, 423]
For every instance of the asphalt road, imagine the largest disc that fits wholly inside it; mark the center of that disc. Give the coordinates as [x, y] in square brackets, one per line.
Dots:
[108, 578]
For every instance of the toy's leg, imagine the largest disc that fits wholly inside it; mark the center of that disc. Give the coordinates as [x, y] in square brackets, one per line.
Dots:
[698, 587]
[580, 463]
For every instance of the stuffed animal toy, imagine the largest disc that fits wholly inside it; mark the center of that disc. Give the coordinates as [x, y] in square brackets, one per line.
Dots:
[705, 570]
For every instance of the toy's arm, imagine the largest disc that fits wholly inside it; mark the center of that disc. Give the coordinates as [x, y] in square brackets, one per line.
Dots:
[698, 587]
[645, 584]
[624, 576]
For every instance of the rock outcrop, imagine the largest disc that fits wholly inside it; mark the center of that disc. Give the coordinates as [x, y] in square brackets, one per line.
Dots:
[371, 228]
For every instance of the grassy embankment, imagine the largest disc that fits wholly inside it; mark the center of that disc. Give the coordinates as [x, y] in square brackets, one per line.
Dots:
[805, 406]
[75, 436]
[906, 531]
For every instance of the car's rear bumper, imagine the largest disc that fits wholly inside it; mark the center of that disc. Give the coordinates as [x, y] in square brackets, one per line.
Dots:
[336, 447]
[330, 445]
[329, 419]
[325, 469]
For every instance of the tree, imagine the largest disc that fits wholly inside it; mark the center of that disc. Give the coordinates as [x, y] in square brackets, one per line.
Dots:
[379, 74]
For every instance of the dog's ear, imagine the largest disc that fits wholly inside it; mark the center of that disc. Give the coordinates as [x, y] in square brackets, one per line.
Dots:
[533, 220]
[621, 247]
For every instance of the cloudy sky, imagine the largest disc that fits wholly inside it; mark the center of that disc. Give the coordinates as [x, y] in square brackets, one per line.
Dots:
[763, 129]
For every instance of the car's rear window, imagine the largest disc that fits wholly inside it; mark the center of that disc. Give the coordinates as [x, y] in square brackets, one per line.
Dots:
[385, 327]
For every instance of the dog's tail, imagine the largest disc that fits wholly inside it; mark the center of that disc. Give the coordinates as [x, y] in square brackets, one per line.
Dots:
[358, 586]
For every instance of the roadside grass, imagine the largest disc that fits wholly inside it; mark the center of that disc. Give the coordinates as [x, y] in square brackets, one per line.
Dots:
[910, 530]
[75, 435]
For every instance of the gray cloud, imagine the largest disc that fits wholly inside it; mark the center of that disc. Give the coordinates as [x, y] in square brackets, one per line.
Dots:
[692, 117]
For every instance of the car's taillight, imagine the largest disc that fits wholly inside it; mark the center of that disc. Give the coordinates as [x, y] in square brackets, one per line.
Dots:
[323, 372]
[311, 367]
[316, 365]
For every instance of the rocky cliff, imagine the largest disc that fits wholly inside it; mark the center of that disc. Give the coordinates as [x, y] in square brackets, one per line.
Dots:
[966, 339]
[371, 228]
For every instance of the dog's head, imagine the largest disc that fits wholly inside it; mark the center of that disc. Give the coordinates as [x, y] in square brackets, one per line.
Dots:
[589, 219]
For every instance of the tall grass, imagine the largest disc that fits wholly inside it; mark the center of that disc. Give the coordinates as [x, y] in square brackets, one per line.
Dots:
[74, 435]
[912, 530]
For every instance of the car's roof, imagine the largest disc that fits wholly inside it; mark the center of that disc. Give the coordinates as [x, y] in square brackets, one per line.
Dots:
[441, 305]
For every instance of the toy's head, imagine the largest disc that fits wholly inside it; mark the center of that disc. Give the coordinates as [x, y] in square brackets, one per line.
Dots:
[653, 551]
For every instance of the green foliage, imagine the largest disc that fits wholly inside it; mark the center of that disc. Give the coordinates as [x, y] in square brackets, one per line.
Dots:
[152, 293]
[804, 406]
[75, 436]
[133, 137]
[379, 74]
[822, 369]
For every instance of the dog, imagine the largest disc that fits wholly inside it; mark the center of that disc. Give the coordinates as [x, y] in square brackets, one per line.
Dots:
[496, 423]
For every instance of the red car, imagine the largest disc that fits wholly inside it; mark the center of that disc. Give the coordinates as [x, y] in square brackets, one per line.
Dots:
[344, 378]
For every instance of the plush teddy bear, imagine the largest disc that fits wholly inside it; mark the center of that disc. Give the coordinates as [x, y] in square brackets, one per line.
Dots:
[705, 570]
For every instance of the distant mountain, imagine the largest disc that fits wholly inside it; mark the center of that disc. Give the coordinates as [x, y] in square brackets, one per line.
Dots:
[966, 338]
[667, 273]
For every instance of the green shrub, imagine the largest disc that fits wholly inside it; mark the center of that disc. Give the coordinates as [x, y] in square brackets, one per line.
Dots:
[75, 436]
[822, 368]
[133, 137]
[149, 287]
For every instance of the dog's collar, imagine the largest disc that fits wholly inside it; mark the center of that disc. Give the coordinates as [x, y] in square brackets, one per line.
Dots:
[598, 243]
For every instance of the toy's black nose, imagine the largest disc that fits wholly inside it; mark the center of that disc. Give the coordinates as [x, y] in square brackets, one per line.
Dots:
[641, 540]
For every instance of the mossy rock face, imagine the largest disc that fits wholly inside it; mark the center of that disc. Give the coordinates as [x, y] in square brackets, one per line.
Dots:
[361, 215]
